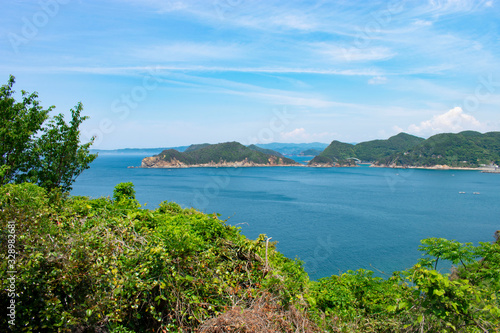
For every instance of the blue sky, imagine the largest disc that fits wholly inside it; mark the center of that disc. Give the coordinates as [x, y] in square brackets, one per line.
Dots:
[154, 73]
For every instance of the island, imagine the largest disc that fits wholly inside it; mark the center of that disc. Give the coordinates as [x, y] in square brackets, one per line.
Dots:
[228, 154]
[464, 150]
[342, 154]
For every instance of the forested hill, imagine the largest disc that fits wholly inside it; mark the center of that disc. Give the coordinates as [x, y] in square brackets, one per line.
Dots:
[464, 149]
[222, 154]
[340, 153]
[266, 151]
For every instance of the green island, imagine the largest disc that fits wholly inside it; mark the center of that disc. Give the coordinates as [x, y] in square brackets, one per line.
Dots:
[466, 149]
[228, 154]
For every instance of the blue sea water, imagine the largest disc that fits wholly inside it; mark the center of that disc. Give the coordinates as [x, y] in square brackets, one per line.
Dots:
[334, 219]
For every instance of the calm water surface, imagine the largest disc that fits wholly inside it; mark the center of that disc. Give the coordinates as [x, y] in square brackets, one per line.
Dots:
[335, 219]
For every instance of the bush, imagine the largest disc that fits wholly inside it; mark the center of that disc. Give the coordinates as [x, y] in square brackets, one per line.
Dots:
[99, 265]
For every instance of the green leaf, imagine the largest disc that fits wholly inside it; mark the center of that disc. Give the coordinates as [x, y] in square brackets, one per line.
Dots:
[438, 292]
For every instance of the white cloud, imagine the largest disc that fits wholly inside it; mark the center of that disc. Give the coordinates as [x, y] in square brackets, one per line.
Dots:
[350, 53]
[455, 120]
[301, 135]
[422, 23]
[294, 22]
[190, 51]
[377, 80]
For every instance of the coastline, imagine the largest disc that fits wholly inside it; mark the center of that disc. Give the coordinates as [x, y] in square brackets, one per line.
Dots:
[157, 163]
[250, 165]
[436, 167]
[208, 165]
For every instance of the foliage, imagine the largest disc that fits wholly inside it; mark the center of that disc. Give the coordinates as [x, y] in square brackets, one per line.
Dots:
[106, 265]
[102, 265]
[47, 154]
[124, 191]
[419, 299]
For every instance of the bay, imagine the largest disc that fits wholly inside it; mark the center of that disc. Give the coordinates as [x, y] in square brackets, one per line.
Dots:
[334, 219]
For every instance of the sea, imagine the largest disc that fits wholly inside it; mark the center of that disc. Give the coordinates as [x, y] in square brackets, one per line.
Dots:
[332, 219]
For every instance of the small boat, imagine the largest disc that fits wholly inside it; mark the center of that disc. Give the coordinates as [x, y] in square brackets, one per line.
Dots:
[461, 192]
[476, 193]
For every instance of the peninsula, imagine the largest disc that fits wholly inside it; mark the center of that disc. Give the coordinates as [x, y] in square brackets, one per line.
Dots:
[228, 154]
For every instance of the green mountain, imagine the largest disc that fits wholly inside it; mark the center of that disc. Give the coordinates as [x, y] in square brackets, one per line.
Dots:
[336, 153]
[341, 153]
[379, 149]
[222, 154]
[464, 149]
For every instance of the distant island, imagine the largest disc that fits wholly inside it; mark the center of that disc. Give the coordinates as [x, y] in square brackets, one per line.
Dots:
[466, 149]
[228, 154]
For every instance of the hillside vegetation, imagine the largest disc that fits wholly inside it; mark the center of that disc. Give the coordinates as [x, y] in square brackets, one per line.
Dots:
[108, 265]
[465, 149]
[340, 153]
[227, 152]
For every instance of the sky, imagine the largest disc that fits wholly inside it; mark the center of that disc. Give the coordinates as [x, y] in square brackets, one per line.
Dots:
[164, 73]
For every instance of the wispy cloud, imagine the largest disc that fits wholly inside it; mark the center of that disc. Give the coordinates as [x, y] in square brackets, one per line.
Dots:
[377, 80]
[336, 53]
[189, 52]
[128, 70]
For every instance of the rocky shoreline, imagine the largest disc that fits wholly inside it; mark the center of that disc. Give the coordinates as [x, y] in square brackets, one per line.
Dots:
[155, 162]
[435, 167]
[158, 163]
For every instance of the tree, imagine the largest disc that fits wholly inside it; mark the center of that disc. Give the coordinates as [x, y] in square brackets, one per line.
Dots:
[36, 149]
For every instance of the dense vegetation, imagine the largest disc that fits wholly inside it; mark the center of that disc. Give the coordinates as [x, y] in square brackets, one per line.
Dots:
[339, 153]
[222, 152]
[465, 149]
[107, 265]
[378, 149]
